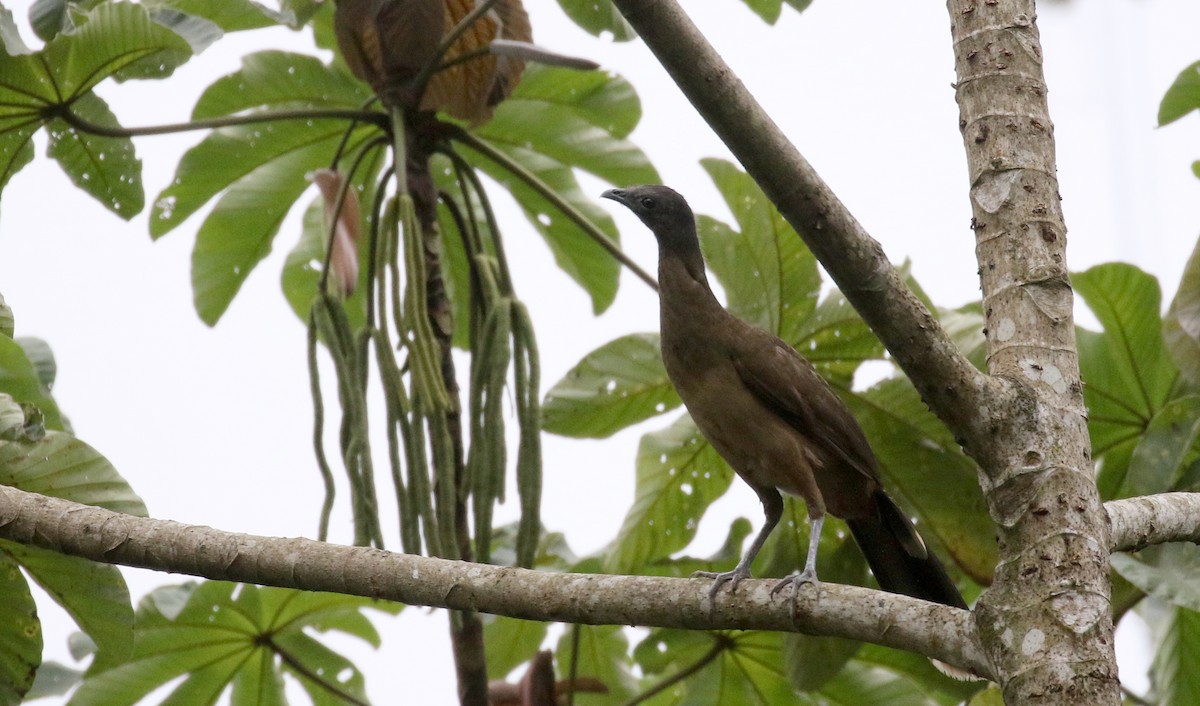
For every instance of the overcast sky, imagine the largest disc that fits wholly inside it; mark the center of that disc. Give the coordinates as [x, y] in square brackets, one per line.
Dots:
[212, 426]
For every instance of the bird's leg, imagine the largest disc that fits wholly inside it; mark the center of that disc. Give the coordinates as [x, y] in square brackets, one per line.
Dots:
[772, 503]
[809, 574]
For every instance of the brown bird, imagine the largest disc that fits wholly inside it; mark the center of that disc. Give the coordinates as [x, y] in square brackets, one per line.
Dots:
[770, 415]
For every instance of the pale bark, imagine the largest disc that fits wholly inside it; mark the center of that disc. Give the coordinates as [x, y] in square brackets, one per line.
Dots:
[1138, 523]
[846, 611]
[1046, 621]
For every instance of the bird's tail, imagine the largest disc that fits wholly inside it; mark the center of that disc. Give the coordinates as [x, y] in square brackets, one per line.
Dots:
[899, 558]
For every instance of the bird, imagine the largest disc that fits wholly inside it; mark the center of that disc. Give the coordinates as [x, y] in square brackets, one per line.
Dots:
[774, 419]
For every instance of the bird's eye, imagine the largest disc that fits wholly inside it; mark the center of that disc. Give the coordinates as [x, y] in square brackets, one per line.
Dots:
[647, 202]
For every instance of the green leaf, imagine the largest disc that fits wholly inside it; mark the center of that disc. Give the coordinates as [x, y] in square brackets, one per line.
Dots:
[7, 322]
[918, 670]
[116, 39]
[1176, 667]
[107, 168]
[510, 642]
[49, 17]
[1166, 571]
[38, 352]
[19, 379]
[836, 340]
[555, 121]
[620, 383]
[278, 79]
[199, 33]
[94, 594]
[679, 475]
[53, 679]
[229, 15]
[864, 685]
[599, 18]
[10, 36]
[1182, 97]
[16, 145]
[603, 655]
[218, 635]
[769, 276]
[768, 10]
[915, 453]
[1159, 457]
[747, 671]
[65, 467]
[1181, 326]
[20, 634]
[1126, 371]
[261, 168]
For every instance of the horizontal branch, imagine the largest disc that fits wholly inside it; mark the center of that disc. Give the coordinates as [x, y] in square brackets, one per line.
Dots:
[1138, 523]
[947, 381]
[940, 632]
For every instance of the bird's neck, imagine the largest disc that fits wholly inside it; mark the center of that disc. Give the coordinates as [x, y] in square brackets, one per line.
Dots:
[681, 276]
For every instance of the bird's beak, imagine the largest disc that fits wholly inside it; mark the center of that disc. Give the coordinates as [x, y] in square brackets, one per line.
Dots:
[617, 195]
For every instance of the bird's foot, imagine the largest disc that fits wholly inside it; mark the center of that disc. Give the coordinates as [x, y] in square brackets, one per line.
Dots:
[733, 578]
[797, 579]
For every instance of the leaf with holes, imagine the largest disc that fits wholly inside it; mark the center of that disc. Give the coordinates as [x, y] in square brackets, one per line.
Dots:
[679, 475]
[769, 276]
[619, 384]
[107, 168]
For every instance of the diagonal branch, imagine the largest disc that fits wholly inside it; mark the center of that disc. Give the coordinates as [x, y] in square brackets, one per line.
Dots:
[937, 631]
[947, 381]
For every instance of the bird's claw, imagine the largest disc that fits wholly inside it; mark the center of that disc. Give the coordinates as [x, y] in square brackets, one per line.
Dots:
[733, 578]
[795, 581]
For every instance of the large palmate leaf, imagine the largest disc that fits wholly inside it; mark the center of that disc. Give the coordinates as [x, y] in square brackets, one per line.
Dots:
[769, 276]
[118, 40]
[105, 167]
[259, 170]
[621, 383]
[678, 476]
[1126, 370]
[93, 594]
[555, 121]
[747, 671]
[916, 452]
[240, 639]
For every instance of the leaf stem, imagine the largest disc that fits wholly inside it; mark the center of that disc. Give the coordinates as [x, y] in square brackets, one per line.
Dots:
[720, 644]
[64, 112]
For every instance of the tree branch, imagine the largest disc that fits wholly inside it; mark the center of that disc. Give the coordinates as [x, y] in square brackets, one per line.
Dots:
[937, 631]
[947, 381]
[1138, 523]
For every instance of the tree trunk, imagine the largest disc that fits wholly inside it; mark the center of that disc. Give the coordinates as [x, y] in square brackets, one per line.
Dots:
[1046, 622]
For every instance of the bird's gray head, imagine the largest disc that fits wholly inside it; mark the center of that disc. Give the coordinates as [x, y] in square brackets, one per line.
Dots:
[661, 208]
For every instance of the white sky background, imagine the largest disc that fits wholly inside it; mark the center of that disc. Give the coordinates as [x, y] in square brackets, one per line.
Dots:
[212, 426]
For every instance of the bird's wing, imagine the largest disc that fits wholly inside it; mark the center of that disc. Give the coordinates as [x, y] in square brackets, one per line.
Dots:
[790, 386]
